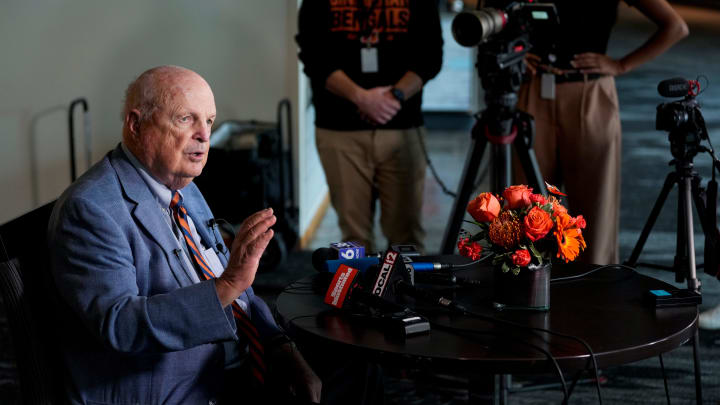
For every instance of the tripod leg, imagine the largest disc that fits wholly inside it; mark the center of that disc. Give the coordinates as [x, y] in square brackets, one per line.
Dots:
[696, 361]
[501, 169]
[689, 239]
[467, 182]
[670, 180]
[705, 200]
[523, 146]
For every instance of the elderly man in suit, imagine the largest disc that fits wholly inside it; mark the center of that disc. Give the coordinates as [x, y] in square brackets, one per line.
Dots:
[164, 312]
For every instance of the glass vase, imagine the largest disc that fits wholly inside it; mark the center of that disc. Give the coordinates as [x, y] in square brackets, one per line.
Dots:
[529, 290]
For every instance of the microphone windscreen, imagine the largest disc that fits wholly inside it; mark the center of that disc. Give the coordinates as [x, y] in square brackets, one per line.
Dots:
[320, 257]
[675, 87]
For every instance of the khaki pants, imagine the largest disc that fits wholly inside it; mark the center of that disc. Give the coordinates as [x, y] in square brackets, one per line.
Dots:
[577, 144]
[359, 164]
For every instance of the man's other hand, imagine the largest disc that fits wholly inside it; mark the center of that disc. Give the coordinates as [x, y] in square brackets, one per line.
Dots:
[247, 248]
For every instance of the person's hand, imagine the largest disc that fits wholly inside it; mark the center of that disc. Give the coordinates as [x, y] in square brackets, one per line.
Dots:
[532, 62]
[250, 242]
[377, 105]
[301, 380]
[591, 62]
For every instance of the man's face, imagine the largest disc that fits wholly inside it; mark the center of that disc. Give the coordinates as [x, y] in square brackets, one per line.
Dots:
[176, 140]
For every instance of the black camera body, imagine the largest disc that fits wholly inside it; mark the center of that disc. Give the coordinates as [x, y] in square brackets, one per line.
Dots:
[686, 126]
[504, 32]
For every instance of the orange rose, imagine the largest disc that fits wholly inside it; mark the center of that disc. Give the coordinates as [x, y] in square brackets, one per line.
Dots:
[537, 224]
[484, 208]
[517, 196]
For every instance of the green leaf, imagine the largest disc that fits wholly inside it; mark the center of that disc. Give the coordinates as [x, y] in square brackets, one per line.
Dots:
[505, 267]
[516, 270]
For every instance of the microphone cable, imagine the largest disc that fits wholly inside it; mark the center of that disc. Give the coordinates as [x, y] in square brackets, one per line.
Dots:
[449, 304]
[583, 275]
[421, 141]
[476, 261]
[553, 360]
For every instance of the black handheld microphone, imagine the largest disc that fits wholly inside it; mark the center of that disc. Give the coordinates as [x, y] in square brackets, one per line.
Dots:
[675, 87]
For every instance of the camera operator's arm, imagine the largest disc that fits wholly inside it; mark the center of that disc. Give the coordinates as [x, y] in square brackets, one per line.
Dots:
[671, 28]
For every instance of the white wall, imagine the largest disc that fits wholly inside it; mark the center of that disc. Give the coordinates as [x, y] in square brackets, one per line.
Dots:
[52, 52]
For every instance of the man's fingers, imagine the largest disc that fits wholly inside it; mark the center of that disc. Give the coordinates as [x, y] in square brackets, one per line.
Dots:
[256, 231]
[254, 219]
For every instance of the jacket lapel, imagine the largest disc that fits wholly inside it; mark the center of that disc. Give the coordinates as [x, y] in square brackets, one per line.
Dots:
[148, 214]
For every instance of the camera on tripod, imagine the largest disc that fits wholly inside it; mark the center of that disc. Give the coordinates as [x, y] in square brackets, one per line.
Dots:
[504, 32]
[686, 126]
[682, 119]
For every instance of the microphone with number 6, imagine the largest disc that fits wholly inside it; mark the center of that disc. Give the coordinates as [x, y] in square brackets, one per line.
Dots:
[328, 260]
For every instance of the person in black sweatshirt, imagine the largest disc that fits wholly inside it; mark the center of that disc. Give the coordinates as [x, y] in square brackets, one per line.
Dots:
[367, 61]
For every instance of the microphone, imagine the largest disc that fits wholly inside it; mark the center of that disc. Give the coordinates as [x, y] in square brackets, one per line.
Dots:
[324, 260]
[347, 291]
[675, 87]
[392, 281]
[444, 279]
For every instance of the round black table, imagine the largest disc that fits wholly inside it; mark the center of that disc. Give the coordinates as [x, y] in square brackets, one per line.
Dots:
[606, 309]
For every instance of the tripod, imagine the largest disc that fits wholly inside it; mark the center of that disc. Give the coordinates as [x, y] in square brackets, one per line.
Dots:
[519, 135]
[689, 192]
[500, 124]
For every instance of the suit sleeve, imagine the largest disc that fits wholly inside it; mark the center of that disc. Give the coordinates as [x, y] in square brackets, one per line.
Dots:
[427, 41]
[93, 266]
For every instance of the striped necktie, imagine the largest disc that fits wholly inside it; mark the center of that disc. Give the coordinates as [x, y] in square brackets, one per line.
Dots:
[244, 325]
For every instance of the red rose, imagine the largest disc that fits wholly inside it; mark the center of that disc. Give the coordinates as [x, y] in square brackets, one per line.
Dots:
[469, 249]
[521, 257]
[484, 208]
[538, 198]
[537, 224]
[580, 222]
[517, 196]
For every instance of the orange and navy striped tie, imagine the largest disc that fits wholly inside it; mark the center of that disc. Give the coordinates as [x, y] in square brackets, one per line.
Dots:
[244, 326]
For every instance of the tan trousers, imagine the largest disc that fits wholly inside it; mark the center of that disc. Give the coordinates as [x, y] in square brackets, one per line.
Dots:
[577, 144]
[359, 164]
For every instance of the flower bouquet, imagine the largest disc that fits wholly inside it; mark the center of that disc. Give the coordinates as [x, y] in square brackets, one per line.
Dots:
[524, 232]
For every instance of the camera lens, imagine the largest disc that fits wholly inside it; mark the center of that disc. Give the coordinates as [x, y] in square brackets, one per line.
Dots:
[469, 28]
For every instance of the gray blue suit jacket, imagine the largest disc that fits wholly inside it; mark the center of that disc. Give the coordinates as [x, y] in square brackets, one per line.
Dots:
[139, 330]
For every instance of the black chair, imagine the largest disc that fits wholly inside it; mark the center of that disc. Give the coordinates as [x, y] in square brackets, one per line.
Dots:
[25, 286]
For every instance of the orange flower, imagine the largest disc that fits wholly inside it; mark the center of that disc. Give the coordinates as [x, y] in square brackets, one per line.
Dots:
[517, 196]
[569, 237]
[484, 208]
[537, 223]
[556, 206]
[505, 230]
